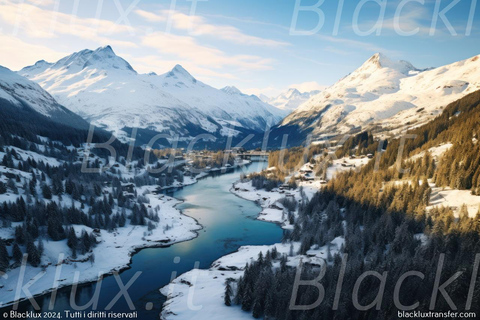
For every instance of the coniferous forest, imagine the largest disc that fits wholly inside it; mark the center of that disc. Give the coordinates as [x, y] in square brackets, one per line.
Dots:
[386, 228]
[53, 170]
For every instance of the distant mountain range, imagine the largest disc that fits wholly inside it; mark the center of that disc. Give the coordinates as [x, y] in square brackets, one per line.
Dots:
[104, 89]
[382, 95]
[290, 99]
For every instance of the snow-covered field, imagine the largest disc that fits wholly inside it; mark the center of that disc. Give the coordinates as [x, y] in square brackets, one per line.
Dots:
[345, 164]
[436, 152]
[448, 197]
[455, 199]
[113, 253]
[198, 294]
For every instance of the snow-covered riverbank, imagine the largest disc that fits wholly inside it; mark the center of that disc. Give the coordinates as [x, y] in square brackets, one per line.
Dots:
[199, 294]
[112, 254]
[272, 209]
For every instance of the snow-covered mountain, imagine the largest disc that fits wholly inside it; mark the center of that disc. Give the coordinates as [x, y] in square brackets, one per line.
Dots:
[228, 105]
[19, 92]
[386, 94]
[290, 99]
[104, 89]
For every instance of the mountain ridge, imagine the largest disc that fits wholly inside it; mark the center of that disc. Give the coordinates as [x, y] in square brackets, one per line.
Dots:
[290, 99]
[22, 93]
[104, 89]
[386, 95]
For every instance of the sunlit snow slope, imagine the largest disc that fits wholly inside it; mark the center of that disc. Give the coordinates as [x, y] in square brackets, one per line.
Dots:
[386, 94]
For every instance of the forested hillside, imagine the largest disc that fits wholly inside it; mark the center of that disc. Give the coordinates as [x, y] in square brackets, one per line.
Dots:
[46, 196]
[380, 212]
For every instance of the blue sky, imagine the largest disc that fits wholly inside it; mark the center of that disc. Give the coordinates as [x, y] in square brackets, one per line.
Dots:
[246, 43]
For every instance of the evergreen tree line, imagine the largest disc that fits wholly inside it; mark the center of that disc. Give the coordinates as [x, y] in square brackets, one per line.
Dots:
[386, 228]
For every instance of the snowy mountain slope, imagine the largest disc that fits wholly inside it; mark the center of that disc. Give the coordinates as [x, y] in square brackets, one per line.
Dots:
[228, 104]
[392, 95]
[22, 93]
[290, 99]
[104, 89]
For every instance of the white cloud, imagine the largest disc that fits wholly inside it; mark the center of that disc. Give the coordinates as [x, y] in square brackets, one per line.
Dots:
[37, 22]
[149, 16]
[17, 54]
[188, 49]
[198, 26]
[44, 3]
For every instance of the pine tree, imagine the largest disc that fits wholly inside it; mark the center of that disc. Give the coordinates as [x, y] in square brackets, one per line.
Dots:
[33, 255]
[72, 240]
[86, 242]
[3, 188]
[46, 192]
[247, 298]
[4, 259]
[257, 309]
[40, 247]
[228, 293]
[54, 225]
[270, 304]
[17, 253]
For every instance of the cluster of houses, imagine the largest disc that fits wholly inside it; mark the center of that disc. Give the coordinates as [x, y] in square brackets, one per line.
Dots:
[369, 156]
[306, 172]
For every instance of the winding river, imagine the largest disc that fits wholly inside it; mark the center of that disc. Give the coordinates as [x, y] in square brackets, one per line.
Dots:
[228, 223]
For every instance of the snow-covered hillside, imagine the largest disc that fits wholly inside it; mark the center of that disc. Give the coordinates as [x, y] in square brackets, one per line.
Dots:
[290, 99]
[20, 92]
[106, 90]
[42, 173]
[391, 94]
[228, 104]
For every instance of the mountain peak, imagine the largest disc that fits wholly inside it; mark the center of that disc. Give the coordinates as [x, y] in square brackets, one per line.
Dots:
[41, 63]
[264, 98]
[379, 61]
[291, 92]
[106, 48]
[179, 68]
[103, 58]
[39, 66]
[178, 72]
[231, 90]
[105, 51]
